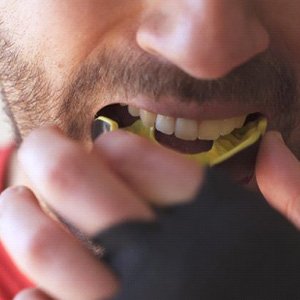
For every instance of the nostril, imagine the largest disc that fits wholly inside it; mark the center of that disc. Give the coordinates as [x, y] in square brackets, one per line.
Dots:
[145, 42]
[147, 39]
[206, 41]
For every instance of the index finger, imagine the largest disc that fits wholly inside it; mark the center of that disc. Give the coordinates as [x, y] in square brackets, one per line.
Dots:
[79, 186]
[159, 175]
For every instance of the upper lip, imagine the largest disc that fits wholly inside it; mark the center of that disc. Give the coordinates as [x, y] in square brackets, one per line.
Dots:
[211, 110]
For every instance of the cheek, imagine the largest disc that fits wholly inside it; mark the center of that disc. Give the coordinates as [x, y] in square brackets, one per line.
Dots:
[283, 22]
[61, 33]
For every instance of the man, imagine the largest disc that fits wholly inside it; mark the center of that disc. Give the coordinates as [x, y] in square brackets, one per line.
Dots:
[176, 64]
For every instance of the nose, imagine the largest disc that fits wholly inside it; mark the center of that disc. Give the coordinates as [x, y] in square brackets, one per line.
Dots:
[205, 38]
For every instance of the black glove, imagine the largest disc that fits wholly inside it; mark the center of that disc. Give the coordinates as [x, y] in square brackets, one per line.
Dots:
[227, 244]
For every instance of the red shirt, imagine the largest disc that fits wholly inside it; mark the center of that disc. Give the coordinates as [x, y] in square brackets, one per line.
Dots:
[11, 280]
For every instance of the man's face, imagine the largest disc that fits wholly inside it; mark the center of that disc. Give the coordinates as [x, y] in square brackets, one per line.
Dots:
[187, 61]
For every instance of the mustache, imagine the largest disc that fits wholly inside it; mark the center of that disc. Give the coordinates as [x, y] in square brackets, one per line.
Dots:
[263, 80]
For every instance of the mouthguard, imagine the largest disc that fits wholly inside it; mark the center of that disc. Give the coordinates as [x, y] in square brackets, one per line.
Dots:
[223, 148]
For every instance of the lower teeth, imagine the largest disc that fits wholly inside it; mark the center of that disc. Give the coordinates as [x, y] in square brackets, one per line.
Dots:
[223, 148]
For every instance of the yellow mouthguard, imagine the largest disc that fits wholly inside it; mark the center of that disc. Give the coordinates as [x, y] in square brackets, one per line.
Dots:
[223, 148]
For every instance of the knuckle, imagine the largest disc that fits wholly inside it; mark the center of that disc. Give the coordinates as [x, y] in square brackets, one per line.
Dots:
[139, 142]
[11, 199]
[38, 246]
[64, 170]
[133, 144]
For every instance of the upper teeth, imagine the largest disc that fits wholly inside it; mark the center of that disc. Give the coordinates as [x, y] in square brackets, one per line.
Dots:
[187, 129]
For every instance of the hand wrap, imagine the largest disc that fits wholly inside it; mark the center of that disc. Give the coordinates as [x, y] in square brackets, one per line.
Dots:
[226, 244]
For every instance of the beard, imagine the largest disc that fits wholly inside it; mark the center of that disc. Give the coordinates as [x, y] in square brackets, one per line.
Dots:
[125, 72]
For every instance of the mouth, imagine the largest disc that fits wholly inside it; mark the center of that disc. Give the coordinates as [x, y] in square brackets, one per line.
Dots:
[209, 142]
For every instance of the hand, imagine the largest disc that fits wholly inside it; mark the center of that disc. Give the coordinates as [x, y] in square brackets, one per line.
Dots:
[278, 176]
[114, 182]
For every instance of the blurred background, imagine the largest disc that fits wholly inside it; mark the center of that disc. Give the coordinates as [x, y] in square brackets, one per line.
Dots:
[5, 128]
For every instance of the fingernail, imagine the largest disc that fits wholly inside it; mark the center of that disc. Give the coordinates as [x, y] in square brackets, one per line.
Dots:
[277, 135]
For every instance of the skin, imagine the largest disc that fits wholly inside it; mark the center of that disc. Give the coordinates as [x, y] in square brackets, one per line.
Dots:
[62, 61]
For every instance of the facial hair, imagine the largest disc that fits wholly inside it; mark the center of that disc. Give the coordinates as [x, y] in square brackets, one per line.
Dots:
[126, 72]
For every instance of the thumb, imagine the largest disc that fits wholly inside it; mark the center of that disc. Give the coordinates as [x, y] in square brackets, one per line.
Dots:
[278, 176]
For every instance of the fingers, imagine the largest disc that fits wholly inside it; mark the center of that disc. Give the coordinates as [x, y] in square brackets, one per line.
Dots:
[47, 254]
[154, 172]
[81, 187]
[92, 191]
[278, 176]
[32, 294]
